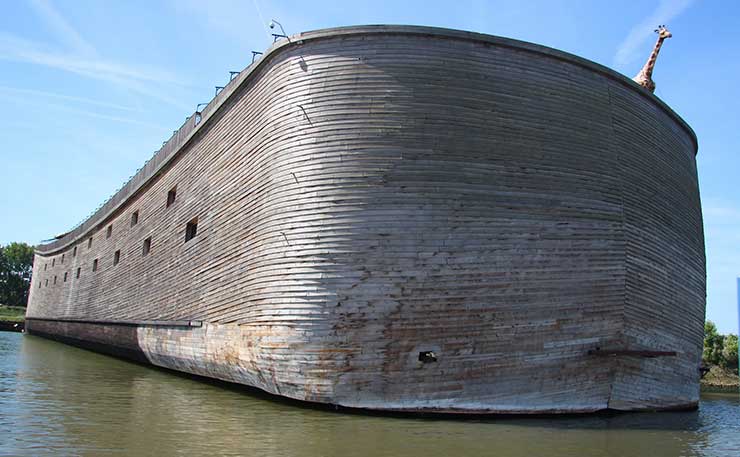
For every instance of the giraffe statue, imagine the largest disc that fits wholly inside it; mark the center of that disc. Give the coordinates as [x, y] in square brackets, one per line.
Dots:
[644, 77]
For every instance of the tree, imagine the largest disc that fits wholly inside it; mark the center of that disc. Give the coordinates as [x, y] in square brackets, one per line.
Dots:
[729, 352]
[713, 344]
[16, 264]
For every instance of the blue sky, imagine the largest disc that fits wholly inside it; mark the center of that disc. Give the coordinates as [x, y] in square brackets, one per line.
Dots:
[90, 89]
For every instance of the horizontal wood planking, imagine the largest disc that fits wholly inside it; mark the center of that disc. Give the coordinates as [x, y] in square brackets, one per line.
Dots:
[665, 290]
[363, 198]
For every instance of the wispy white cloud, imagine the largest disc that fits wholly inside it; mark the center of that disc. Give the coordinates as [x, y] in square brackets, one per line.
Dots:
[667, 10]
[235, 18]
[107, 117]
[20, 49]
[61, 27]
[20, 98]
[262, 18]
[80, 58]
[70, 98]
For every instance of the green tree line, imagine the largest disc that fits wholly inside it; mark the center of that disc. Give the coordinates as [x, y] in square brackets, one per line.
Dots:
[719, 349]
[16, 262]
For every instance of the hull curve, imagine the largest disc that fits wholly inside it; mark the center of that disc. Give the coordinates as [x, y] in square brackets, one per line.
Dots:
[407, 219]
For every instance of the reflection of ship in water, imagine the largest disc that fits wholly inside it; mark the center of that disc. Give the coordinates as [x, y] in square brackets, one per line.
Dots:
[405, 218]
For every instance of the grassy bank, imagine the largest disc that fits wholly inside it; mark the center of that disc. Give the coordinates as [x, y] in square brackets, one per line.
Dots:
[12, 313]
[720, 379]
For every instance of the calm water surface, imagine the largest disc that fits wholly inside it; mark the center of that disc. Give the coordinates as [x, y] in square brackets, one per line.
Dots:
[59, 400]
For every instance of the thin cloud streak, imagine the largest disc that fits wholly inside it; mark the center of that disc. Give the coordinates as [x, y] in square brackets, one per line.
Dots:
[71, 98]
[15, 48]
[61, 27]
[80, 58]
[226, 16]
[67, 109]
[632, 46]
[137, 79]
[109, 118]
[262, 18]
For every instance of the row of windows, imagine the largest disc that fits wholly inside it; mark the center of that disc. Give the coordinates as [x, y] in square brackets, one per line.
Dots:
[171, 195]
[191, 230]
[65, 278]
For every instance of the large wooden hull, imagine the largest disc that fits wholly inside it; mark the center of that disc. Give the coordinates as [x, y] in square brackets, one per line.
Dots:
[524, 221]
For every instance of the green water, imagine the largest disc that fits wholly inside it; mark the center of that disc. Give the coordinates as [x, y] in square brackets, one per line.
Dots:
[59, 400]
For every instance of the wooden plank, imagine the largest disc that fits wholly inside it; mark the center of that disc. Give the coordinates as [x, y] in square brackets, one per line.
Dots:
[364, 197]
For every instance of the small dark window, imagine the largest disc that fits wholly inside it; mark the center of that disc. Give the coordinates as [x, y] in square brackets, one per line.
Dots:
[79, 270]
[53, 261]
[171, 196]
[427, 357]
[55, 279]
[134, 218]
[65, 276]
[89, 243]
[116, 257]
[74, 252]
[109, 232]
[62, 258]
[46, 283]
[95, 265]
[39, 284]
[191, 229]
[147, 246]
[45, 265]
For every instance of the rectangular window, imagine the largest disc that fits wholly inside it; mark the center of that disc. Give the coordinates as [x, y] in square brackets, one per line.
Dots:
[62, 258]
[46, 283]
[116, 257]
[134, 218]
[171, 196]
[191, 229]
[65, 276]
[109, 232]
[55, 279]
[53, 262]
[95, 265]
[45, 265]
[89, 243]
[79, 270]
[74, 252]
[147, 246]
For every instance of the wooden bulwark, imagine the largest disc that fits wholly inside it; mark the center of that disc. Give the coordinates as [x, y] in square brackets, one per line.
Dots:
[368, 194]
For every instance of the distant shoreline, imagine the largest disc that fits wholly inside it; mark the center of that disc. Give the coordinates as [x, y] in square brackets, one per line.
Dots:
[720, 379]
[12, 326]
[12, 318]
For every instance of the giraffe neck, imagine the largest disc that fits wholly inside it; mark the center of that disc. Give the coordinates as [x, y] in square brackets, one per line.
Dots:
[647, 70]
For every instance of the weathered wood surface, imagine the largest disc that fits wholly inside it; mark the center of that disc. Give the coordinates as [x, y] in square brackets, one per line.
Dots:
[369, 193]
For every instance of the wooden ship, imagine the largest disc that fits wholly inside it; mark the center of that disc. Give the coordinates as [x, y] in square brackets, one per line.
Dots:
[405, 219]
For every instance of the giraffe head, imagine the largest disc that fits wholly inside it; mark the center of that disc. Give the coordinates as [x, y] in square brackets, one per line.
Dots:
[663, 32]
